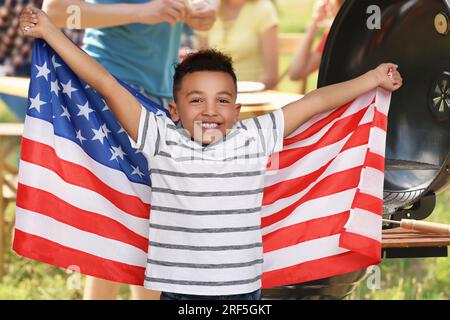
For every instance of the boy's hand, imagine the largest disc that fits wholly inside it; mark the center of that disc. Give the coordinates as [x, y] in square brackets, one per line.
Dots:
[33, 22]
[388, 77]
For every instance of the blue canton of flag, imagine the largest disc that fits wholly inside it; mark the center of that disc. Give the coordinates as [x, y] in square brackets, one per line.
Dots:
[80, 114]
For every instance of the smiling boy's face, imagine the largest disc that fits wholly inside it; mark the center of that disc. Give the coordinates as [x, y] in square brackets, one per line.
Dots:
[206, 105]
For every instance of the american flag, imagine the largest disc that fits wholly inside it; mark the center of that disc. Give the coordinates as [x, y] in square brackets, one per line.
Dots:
[84, 193]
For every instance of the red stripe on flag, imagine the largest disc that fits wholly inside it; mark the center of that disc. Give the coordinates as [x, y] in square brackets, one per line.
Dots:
[45, 203]
[362, 245]
[359, 137]
[317, 269]
[45, 156]
[380, 120]
[305, 231]
[340, 181]
[368, 202]
[50, 252]
[290, 187]
[375, 161]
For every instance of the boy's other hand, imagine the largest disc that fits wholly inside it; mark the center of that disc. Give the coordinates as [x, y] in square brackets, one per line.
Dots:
[33, 22]
[157, 11]
[388, 76]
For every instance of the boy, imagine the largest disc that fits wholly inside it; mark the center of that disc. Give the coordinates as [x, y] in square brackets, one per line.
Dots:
[208, 171]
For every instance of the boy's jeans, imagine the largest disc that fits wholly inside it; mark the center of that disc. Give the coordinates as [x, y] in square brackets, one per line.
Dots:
[255, 295]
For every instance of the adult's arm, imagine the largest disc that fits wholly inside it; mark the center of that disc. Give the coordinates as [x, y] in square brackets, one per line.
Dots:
[93, 15]
[306, 60]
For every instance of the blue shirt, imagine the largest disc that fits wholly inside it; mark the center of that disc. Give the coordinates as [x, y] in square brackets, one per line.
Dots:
[141, 55]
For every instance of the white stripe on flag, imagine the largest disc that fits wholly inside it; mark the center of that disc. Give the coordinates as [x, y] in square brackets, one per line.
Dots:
[43, 132]
[313, 161]
[365, 223]
[383, 100]
[346, 160]
[302, 252]
[41, 178]
[314, 209]
[372, 182]
[377, 141]
[68, 236]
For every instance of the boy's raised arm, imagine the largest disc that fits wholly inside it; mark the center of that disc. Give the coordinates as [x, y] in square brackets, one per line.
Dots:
[336, 95]
[126, 108]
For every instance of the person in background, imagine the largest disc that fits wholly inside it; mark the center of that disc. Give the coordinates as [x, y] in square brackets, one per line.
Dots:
[247, 30]
[306, 59]
[137, 41]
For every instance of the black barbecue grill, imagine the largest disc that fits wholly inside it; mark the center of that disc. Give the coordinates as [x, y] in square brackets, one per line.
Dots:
[415, 34]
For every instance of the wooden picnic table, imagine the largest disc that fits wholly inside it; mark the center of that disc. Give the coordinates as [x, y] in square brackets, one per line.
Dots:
[274, 100]
[403, 238]
[403, 243]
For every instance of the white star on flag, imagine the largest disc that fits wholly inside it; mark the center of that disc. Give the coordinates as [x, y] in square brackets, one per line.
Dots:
[98, 134]
[36, 102]
[80, 137]
[55, 64]
[84, 110]
[121, 130]
[54, 87]
[117, 152]
[137, 171]
[105, 129]
[68, 89]
[65, 113]
[43, 71]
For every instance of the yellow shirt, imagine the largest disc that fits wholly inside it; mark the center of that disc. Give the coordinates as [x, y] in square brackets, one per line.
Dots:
[241, 38]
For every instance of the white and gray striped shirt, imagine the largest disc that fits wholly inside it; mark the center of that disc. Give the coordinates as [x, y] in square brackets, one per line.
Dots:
[205, 236]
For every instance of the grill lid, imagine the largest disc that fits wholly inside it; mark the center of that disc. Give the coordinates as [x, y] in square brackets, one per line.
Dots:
[415, 35]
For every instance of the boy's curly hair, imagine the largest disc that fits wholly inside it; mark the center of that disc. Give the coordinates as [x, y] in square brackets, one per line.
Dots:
[203, 60]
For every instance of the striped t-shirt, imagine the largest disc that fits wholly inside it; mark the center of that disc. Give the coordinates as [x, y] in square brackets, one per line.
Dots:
[205, 236]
